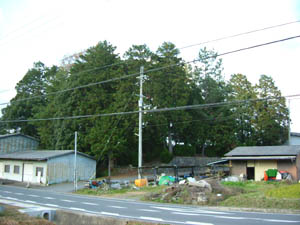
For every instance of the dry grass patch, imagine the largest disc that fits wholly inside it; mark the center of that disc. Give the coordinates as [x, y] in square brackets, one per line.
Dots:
[11, 216]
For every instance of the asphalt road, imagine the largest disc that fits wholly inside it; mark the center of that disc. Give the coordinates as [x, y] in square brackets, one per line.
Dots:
[136, 210]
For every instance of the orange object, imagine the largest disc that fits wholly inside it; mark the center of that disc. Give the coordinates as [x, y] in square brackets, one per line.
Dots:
[265, 176]
[140, 182]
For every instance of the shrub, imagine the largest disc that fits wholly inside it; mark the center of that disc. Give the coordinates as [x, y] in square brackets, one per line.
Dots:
[165, 156]
[184, 150]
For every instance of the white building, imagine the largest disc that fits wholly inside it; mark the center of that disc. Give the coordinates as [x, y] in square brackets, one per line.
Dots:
[46, 167]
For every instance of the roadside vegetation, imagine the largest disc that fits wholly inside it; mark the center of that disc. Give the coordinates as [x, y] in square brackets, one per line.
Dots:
[246, 194]
[279, 195]
[127, 192]
[11, 216]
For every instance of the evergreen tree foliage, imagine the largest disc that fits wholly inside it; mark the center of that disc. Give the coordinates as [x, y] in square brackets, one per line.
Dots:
[169, 82]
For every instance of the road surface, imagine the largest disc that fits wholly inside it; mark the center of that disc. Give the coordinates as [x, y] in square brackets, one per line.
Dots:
[136, 210]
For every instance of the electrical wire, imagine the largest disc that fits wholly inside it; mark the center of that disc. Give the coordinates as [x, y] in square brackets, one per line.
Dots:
[193, 45]
[153, 70]
[241, 34]
[186, 107]
[20, 28]
[205, 42]
[35, 28]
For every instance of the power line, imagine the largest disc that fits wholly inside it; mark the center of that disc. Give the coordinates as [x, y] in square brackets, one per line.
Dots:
[35, 28]
[153, 70]
[20, 28]
[191, 121]
[188, 46]
[202, 43]
[205, 42]
[197, 106]
[241, 34]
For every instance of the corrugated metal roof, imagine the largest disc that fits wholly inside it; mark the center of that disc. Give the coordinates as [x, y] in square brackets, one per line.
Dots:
[39, 155]
[11, 135]
[265, 151]
[295, 134]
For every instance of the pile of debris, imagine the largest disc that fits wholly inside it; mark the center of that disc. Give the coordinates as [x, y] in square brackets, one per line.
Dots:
[192, 191]
[106, 184]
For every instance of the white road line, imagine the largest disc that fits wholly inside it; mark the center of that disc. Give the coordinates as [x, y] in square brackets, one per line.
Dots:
[51, 205]
[186, 214]
[19, 193]
[185, 210]
[89, 203]
[79, 209]
[231, 217]
[66, 200]
[211, 212]
[198, 223]
[34, 196]
[151, 218]
[30, 201]
[7, 191]
[148, 210]
[281, 221]
[110, 214]
[117, 207]
[49, 198]
[10, 198]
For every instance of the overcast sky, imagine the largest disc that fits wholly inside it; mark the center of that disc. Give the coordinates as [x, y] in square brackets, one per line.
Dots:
[34, 30]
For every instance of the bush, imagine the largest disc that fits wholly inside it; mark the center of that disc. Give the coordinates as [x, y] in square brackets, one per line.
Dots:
[184, 150]
[165, 156]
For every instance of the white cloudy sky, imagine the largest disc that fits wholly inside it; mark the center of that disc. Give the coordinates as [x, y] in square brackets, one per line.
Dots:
[34, 30]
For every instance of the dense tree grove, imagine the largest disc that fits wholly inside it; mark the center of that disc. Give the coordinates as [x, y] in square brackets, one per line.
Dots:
[251, 114]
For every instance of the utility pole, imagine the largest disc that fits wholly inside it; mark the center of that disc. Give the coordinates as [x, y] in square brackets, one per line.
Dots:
[289, 108]
[75, 163]
[140, 121]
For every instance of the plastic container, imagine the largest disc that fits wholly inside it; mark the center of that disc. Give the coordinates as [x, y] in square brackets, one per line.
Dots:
[140, 182]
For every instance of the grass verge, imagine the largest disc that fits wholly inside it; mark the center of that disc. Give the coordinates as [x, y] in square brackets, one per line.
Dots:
[127, 192]
[11, 216]
[275, 195]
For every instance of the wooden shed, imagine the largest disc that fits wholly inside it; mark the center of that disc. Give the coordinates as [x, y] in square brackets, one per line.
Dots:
[253, 161]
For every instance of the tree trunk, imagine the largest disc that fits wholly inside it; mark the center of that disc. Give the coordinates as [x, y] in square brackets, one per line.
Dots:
[203, 150]
[110, 163]
[170, 143]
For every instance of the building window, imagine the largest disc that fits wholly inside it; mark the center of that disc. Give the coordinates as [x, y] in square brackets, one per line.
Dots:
[6, 168]
[39, 169]
[16, 169]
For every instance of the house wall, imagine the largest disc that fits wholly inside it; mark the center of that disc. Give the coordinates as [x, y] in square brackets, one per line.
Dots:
[298, 167]
[30, 176]
[238, 167]
[261, 166]
[61, 169]
[290, 166]
[17, 143]
[294, 140]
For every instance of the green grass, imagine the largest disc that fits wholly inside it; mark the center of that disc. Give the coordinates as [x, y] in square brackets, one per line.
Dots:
[269, 194]
[259, 200]
[247, 194]
[292, 191]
